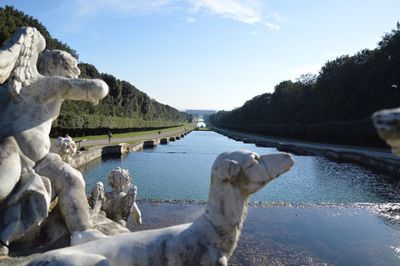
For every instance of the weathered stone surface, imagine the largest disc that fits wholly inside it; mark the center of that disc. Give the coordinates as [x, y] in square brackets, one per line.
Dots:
[53, 234]
[276, 234]
[66, 148]
[29, 104]
[86, 156]
[164, 141]
[210, 240]
[385, 164]
[120, 203]
[149, 144]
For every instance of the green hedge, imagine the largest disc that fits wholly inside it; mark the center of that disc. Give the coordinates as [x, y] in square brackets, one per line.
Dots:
[79, 125]
[85, 121]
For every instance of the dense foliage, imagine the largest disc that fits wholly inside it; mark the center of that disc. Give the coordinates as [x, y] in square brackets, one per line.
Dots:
[12, 19]
[123, 103]
[334, 105]
[124, 108]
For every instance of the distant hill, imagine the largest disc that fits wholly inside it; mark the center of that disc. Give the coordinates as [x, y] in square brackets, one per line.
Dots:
[125, 108]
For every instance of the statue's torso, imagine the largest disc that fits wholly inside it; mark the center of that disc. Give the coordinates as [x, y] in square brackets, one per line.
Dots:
[29, 120]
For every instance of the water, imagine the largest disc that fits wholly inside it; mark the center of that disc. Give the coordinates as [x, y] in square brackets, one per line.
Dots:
[310, 233]
[181, 170]
[302, 235]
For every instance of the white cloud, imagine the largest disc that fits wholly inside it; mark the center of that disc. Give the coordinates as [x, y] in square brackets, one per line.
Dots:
[233, 9]
[246, 11]
[254, 32]
[272, 26]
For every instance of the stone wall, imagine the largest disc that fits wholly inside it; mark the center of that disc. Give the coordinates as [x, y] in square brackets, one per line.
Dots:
[390, 166]
[93, 153]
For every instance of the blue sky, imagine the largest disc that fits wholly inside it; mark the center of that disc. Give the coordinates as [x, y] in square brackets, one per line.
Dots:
[212, 54]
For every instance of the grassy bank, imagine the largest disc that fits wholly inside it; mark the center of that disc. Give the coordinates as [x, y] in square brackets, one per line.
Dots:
[187, 126]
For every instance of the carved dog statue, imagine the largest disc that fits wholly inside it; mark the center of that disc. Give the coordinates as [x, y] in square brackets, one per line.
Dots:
[210, 240]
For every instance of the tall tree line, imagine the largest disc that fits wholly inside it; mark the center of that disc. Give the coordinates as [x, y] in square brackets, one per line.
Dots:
[335, 105]
[124, 108]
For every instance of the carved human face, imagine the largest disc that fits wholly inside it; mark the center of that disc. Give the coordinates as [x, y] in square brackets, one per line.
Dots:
[70, 66]
[98, 190]
[58, 63]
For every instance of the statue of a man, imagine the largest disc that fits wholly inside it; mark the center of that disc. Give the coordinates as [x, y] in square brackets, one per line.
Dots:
[29, 103]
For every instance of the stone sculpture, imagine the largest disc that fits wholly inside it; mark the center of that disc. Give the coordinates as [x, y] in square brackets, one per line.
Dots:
[97, 197]
[387, 123]
[120, 203]
[66, 148]
[210, 240]
[30, 175]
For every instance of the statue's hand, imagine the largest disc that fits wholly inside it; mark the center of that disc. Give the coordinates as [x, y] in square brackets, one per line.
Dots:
[28, 173]
[98, 92]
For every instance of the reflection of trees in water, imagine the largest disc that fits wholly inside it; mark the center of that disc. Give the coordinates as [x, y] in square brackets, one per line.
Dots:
[114, 157]
[357, 180]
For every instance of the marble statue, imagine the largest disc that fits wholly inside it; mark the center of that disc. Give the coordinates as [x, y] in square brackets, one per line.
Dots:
[387, 123]
[66, 148]
[120, 181]
[31, 176]
[97, 197]
[209, 240]
[120, 203]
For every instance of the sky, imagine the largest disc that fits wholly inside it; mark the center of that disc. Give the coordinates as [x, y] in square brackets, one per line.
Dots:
[212, 54]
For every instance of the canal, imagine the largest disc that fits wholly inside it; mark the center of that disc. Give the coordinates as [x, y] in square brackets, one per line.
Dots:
[181, 171]
[319, 213]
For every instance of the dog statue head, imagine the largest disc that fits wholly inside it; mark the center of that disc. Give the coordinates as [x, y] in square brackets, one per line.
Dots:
[249, 171]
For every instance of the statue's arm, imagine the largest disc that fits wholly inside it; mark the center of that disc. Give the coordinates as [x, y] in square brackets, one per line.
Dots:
[136, 214]
[91, 90]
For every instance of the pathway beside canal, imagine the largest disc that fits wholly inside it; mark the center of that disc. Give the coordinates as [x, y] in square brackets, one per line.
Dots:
[141, 138]
[375, 152]
[381, 160]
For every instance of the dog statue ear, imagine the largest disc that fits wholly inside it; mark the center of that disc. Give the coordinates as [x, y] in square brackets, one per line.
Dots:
[226, 169]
